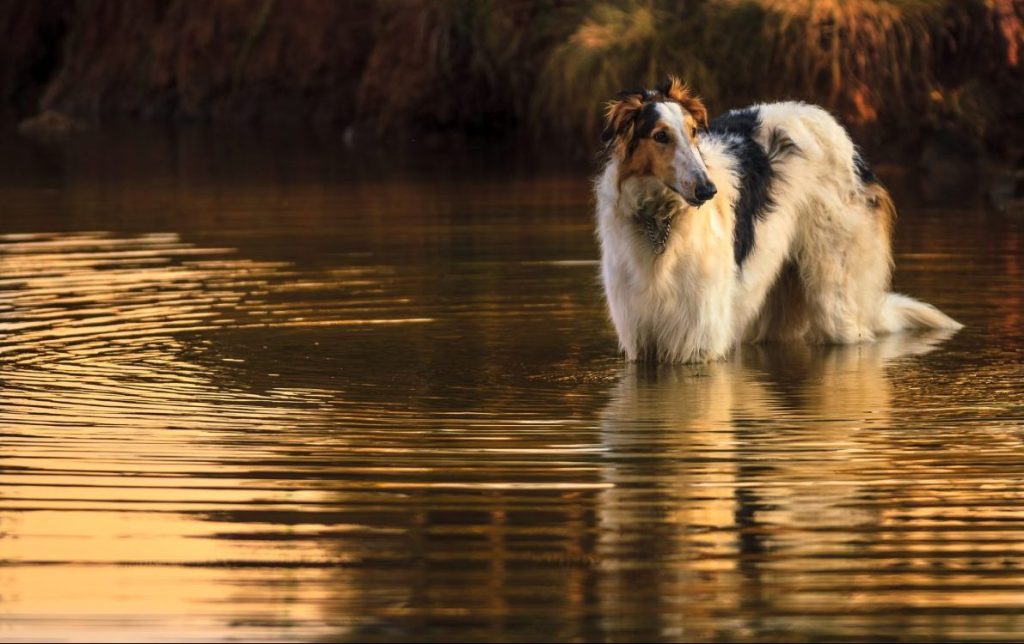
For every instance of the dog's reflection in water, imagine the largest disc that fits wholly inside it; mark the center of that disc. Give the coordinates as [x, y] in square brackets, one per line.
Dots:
[724, 473]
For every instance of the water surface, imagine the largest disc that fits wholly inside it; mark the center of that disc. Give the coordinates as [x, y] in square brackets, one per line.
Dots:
[265, 390]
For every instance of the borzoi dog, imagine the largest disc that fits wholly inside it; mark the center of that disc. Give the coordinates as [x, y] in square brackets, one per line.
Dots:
[765, 224]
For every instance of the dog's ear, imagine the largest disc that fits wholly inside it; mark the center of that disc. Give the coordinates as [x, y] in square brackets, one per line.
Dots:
[678, 91]
[621, 118]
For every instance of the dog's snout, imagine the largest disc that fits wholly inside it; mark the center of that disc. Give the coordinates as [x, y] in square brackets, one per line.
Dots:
[705, 191]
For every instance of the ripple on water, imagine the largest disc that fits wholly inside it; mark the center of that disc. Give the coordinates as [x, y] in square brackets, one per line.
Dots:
[146, 433]
[199, 444]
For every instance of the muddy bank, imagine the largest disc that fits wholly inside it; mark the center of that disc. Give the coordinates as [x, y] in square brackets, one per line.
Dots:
[905, 71]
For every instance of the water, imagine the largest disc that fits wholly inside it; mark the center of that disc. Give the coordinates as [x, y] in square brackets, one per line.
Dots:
[305, 394]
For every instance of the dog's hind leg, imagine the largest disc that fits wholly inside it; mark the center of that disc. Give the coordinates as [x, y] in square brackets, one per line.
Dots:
[845, 263]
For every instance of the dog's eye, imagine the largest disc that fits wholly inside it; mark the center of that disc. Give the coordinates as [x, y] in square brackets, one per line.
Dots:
[661, 137]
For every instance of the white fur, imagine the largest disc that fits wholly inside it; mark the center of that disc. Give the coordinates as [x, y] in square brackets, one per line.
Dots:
[692, 303]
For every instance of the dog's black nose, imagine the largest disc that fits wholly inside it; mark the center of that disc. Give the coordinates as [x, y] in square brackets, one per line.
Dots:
[705, 191]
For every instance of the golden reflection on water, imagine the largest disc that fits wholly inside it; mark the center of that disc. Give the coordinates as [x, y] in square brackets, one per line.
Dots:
[118, 441]
[419, 430]
[746, 508]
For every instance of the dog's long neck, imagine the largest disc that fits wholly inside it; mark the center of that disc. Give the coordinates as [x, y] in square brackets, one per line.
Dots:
[693, 228]
[677, 302]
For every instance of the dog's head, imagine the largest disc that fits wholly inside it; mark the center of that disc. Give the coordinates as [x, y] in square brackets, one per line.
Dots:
[654, 133]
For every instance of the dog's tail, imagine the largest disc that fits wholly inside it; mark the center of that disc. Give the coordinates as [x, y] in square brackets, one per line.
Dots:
[902, 313]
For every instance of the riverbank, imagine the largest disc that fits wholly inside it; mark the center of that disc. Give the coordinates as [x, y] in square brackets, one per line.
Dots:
[914, 72]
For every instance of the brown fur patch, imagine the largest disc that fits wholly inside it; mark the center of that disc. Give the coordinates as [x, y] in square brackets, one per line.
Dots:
[647, 158]
[881, 203]
[680, 93]
[620, 116]
[642, 156]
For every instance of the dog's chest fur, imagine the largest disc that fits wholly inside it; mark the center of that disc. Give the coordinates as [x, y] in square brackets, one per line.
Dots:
[677, 305]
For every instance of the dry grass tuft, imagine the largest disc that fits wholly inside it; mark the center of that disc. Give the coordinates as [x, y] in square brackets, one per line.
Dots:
[883, 66]
[903, 67]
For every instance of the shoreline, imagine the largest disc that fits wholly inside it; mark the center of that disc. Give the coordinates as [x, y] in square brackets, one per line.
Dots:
[898, 74]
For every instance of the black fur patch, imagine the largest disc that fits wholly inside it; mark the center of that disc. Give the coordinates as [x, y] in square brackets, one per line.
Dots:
[745, 122]
[864, 171]
[647, 120]
[756, 174]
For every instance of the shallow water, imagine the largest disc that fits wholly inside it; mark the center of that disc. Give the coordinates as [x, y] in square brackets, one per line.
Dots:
[297, 395]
